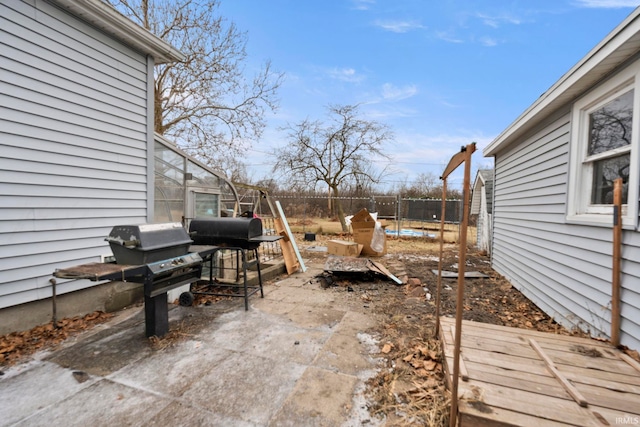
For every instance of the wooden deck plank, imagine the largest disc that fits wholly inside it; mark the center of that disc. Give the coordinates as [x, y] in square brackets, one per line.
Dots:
[510, 384]
[613, 416]
[625, 402]
[528, 403]
[495, 346]
[574, 373]
[528, 333]
[473, 416]
[588, 362]
[516, 379]
[511, 339]
[461, 365]
[622, 401]
[506, 360]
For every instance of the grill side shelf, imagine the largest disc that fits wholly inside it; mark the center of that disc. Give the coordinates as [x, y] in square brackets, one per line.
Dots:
[96, 271]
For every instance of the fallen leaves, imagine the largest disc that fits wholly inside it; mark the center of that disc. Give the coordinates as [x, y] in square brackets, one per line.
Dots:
[412, 388]
[17, 345]
[424, 360]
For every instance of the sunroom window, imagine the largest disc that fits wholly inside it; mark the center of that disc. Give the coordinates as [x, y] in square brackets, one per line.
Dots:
[604, 147]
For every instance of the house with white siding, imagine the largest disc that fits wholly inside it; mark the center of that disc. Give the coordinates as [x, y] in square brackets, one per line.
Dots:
[78, 154]
[552, 205]
[482, 207]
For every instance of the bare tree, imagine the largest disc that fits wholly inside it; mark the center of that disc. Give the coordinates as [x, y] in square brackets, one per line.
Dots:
[334, 153]
[205, 103]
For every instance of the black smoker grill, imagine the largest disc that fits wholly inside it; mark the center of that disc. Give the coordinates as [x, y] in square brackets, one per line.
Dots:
[244, 233]
[241, 235]
[156, 255]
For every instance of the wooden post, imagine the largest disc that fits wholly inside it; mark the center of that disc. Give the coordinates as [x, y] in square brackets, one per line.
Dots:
[439, 285]
[617, 243]
[462, 260]
[398, 215]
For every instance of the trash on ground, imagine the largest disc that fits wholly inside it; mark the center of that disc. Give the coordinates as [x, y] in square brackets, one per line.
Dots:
[342, 264]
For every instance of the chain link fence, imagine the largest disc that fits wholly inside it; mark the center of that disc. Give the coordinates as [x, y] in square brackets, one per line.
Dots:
[392, 208]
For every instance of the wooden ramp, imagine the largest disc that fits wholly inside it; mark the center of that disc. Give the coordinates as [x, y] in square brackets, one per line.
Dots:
[518, 377]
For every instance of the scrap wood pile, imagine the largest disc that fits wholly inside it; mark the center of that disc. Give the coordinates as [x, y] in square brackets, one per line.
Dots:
[17, 345]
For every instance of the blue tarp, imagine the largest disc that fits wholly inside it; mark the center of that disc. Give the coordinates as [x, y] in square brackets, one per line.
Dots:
[409, 233]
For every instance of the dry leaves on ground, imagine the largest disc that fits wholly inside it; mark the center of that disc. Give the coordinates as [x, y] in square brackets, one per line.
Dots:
[16, 345]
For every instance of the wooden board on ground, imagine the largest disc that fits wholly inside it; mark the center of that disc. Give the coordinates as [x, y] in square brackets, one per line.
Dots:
[509, 383]
[292, 258]
[289, 255]
[467, 274]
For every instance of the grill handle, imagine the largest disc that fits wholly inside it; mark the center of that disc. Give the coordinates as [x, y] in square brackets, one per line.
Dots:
[125, 243]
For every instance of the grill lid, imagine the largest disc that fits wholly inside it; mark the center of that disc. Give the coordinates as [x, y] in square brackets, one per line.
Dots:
[214, 231]
[142, 244]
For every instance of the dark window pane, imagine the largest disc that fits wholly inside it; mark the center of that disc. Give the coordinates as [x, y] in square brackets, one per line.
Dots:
[604, 173]
[610, 126]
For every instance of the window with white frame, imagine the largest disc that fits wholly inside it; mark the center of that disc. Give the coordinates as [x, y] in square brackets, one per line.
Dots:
[604, 147]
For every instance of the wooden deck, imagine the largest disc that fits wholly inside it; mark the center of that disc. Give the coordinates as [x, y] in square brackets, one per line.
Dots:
[518, 377]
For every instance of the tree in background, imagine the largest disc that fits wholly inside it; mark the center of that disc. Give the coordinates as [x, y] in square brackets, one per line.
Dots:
[336, 153]
[205, 103]
[425, 186]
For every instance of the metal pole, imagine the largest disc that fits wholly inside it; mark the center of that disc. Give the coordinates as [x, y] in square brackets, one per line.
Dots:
[439, 286]
[304, 214]
[617, 243]
[398, 213]
[53, 299]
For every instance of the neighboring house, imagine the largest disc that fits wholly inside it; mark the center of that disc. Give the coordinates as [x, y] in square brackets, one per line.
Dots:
[554, 169]
[78, 154]
[482, 205]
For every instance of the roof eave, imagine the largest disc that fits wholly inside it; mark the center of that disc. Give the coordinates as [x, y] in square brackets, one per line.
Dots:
[624, 40]
[109, 20]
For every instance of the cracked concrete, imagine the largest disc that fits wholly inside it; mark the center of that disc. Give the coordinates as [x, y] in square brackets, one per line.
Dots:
[298, 357]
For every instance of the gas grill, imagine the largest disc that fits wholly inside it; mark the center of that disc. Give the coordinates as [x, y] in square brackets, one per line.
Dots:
[147, 243]
[156, 255]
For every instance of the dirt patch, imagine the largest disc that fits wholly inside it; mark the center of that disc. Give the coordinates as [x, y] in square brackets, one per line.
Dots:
[587, 351]
[410, 389]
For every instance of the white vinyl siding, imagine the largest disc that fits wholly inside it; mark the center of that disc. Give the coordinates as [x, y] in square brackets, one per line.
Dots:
[563, 268]
[73, 145]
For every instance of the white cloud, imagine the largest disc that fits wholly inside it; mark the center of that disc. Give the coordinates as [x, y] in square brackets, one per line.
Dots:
[398, 26]
[391, 92]
[448, 37]
[607, 4]
[345, 74]
[496, 21]
[488, 41]
[363, 4]
[388, 113]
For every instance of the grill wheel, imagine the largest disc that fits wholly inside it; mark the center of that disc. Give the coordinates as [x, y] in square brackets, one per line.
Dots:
[186, 299]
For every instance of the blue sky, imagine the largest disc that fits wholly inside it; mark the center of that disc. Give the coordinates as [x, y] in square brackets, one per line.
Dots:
[440, 73]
